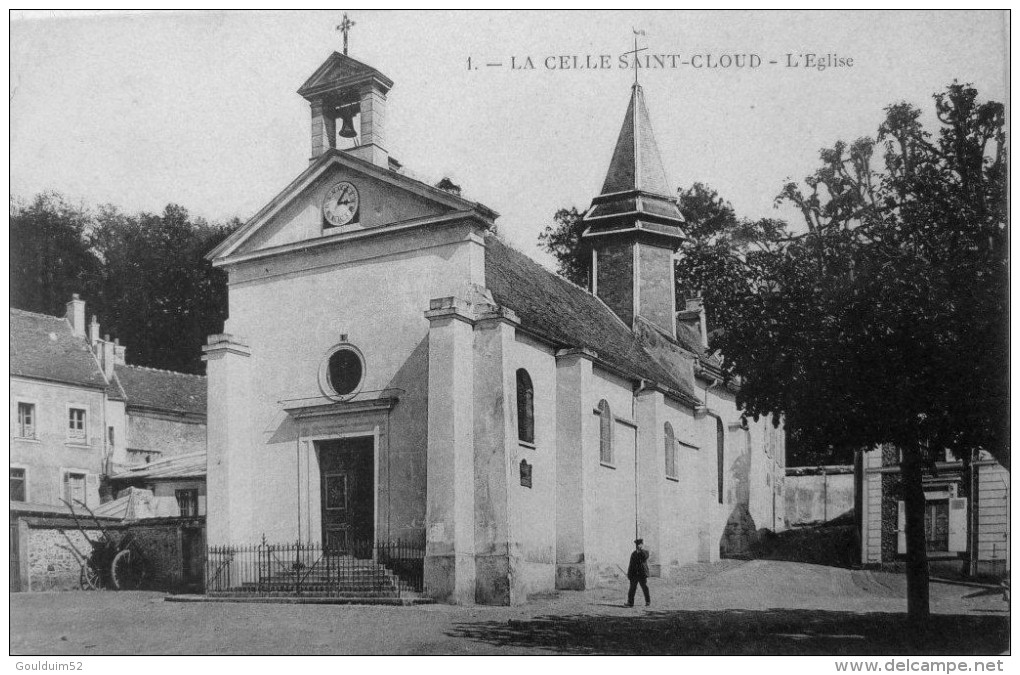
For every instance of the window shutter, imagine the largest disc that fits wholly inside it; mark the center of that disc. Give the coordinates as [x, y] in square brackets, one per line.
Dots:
[958, 525]
[901, 527]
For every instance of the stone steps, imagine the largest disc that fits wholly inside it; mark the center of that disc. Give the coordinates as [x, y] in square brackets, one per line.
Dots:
[342, 579]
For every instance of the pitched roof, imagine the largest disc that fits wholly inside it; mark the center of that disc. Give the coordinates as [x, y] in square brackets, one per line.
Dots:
[557, 310]
[44, 347]
[339, 70]
[162, 389]
[192, 465]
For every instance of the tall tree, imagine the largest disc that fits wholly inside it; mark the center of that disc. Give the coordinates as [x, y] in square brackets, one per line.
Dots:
[885, 323]
[562, 239]
[159, 294]
[144, 275]
[717, 247]
[50, 259]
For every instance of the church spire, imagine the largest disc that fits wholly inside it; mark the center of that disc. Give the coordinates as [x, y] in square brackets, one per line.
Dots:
[636, 163]
[636, 193]
[634, 226]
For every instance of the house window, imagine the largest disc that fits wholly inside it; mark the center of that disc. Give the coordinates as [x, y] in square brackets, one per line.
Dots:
[74, 488]
[605, 433]
[109, 435]
[187, 501]
[26, 420]
[670, 452]
[720, 454]
[76, 427]
[18, 485]
[525, 407]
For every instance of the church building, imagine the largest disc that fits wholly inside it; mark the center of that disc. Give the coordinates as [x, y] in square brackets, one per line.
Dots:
[392, 370]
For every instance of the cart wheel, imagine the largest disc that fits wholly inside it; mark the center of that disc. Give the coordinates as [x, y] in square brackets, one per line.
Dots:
[127, 571]
[89, 579]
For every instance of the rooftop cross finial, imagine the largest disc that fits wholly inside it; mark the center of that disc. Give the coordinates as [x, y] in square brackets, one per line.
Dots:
[345, 28]
[635, 52]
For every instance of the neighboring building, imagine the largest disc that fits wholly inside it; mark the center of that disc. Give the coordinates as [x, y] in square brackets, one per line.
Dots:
[966, 513]
[180, 479]
[818, 494]
[79, 413]
[165, 415]
[392, 370]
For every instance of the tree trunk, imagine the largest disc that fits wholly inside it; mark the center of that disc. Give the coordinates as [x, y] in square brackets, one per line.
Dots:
[917, 553]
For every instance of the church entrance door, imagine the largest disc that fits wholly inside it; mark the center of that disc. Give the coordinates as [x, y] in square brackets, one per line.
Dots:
[348, 509]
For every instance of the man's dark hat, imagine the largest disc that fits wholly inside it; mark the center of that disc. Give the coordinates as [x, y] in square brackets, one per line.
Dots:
[639, 541]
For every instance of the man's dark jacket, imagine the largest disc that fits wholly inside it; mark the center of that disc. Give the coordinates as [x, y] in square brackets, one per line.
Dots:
[638, 568]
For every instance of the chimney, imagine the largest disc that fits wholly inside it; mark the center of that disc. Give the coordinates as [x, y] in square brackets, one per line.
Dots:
[119, 353]
[693, 316]
[93, 331]
[76, 315]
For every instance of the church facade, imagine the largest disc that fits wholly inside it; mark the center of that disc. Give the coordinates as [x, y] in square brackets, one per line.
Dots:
[391, 369]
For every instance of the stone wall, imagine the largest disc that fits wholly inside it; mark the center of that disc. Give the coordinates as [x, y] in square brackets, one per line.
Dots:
[818, 494]
[163, 434]
[51, 565]
[614, 282]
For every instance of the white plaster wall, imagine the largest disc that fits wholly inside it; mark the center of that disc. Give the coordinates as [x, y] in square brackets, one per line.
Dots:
[686, 500]
[993, 513]
[375, 292]
[50, 454]
[611, 539]
[532, 510]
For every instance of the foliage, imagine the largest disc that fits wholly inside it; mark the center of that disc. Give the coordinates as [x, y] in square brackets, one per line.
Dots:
[50, 258]
[143, 275]
[885, 322]
[562, 239]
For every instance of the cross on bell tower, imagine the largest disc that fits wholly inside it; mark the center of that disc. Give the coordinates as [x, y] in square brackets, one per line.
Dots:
[344, 27]
[346, 91]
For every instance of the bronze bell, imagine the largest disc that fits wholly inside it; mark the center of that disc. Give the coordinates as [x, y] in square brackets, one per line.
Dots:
[347, 129]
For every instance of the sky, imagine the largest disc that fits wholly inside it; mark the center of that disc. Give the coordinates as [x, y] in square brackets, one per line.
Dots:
[200, 108]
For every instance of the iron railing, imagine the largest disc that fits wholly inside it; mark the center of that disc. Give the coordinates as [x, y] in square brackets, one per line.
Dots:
[357, 570]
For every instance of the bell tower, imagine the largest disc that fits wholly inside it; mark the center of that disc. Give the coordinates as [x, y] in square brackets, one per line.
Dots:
[634, 227]
[345, 91]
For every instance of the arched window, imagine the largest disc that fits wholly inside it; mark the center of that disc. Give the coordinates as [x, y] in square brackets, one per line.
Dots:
[605, 433]
[525, 407]
[720, 452]
[670, 451]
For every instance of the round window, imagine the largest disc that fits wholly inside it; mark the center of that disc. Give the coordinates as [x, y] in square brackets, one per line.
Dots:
[342, 373]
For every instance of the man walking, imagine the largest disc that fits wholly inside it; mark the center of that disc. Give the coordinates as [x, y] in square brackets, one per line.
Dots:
[637, 572]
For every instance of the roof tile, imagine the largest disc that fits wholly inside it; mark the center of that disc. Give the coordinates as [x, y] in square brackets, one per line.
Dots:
[552, 307]
[162, 389]
[44, 347]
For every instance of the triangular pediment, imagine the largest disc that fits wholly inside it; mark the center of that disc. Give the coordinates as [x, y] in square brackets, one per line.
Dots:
[385, 198]
[340, 71]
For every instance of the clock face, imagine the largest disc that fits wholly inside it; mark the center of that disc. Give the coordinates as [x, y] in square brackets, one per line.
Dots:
[340, 205]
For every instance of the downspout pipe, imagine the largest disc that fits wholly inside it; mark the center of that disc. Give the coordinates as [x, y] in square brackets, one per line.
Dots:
[642, 386]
